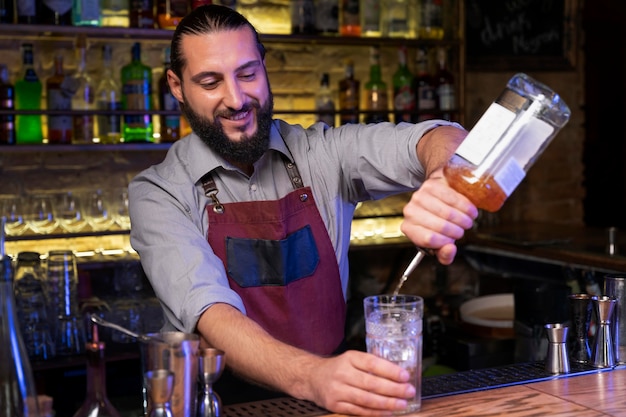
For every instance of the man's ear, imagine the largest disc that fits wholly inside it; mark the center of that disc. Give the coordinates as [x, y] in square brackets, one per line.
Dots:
[175, 85]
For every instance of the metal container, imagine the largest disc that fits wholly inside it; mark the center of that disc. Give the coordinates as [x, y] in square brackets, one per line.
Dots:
[615, 287]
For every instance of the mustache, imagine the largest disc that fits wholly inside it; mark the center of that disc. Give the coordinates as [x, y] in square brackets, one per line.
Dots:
[229, 113]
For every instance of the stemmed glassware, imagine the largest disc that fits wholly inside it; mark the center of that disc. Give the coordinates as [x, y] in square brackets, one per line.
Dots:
[98, 212]
[69, 212]
[13, 212]
[41, 217]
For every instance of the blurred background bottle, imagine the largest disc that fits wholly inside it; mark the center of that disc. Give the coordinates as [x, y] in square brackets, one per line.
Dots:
[395, 18]
[7, 11]
[170, 123]
[431, 19]
[376, 99]
[324, 102]
[7, 102]
[86, 13]
[303, 17]
[197, 3]
[137, 95]
[370, 17]
[55, 12]
[28, 91]
[349, 96]
[84, 98]
[327, 17]
[349, 18]
[425, 87]
[59, 99]
[26, 11]
[142, 14]
[171, 12]
[446, 89]
[108, 97]
[115, 13]
[404, 102]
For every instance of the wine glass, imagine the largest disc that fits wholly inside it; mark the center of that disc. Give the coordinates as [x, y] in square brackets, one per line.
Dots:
[122, 217]
[98, 212]
[12, 210]
[41, 216]
[69, 212]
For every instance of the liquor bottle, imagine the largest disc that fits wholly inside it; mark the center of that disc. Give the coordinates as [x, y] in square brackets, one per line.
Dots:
[28, 97]
[302, 17]
[7, 11]
[506, 141]
[84, 98]
[171, 12]
[370, 17]
[327, 17]
[108, 98]
[197, 3]
[55, 12]
[425, 87]
[431, 19]
[446, 90]
[59, 98]
[142, 14]
[86, 13]
[404, 102]
[115, 13]
[349, 18]
[137, 95]
[376, 102]
[170, 124]
[395, 19]
[26, 11]
[7, 102]
[18, 393]
[97, 403]
[324, 103]
[349, 96]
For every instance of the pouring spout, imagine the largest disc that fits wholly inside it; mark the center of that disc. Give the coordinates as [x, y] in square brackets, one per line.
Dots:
[139, 336]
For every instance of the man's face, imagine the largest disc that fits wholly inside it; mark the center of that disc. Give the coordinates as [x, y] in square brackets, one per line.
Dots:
[225, 93]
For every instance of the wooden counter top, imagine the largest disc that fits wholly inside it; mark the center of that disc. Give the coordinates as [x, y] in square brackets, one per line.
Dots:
[597, 394]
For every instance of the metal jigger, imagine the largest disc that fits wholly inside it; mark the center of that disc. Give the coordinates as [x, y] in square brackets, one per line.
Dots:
[160, 385]
[603, 354]
[580, 311]
[211, 364]
[557, 361]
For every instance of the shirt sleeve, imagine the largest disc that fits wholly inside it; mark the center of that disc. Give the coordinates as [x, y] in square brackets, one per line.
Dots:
[166, 232]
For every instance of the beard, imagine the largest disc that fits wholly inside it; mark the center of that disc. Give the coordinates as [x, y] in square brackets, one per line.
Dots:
[248, 149]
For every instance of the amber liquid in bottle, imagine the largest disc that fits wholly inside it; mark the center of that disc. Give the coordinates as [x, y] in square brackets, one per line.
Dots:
[171, 12]
[484, 192]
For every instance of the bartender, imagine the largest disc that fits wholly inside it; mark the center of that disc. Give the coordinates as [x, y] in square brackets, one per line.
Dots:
[243, 230]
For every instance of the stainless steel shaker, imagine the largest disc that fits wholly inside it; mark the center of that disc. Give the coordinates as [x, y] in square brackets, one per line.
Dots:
[615, 287]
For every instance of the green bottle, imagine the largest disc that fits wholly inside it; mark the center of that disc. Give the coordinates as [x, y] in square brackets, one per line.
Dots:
[376, 91]
[28, 97]
[403, 90]
[137, 95]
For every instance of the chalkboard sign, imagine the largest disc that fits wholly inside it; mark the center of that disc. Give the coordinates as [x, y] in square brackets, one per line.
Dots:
[520, 35]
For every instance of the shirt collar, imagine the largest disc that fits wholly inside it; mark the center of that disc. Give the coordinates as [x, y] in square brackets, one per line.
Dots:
[203, 159]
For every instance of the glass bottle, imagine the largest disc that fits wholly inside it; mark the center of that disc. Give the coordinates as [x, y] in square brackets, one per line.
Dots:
[97, 403]
[303, 17]
[59, 98]
[506, 141]
[171, 12]
[142, 14]
[170, 123]
[7, 11]
[404, 102]
[7, 102]
[327, 17]
[28, 92]
[349, 96]
[26, 11]
[395, 19]
[425, 87]
[55, 12]
[137, 95]
[18, 394]
[324, 103]
[115, 13]
[197, 3]
[446, 88]
[86, 13]
[108, 98]
[84, 98]
[376, 101]
[431, 19]
[370, 18]
[349, 18]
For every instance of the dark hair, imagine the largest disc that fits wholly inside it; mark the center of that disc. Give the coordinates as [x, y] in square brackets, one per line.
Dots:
[207, 19]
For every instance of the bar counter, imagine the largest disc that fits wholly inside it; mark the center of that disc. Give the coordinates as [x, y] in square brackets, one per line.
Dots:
[601, 393]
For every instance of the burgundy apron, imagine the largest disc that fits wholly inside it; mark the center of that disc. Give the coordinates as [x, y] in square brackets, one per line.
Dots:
[280, 260]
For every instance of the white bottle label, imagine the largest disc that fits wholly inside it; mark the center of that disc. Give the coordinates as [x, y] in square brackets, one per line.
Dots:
[509, 176]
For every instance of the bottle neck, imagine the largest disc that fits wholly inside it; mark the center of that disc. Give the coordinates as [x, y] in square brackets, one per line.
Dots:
[96, 372]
